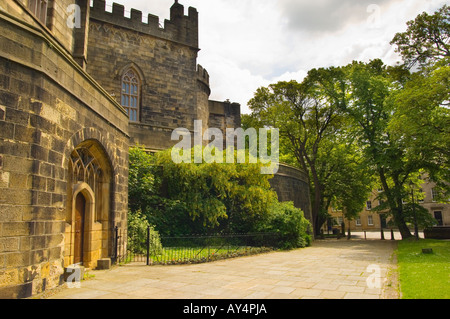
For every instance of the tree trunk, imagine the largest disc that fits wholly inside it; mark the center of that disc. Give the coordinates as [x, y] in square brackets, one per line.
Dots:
[395, 205]
[316, 208]
[401, 224]
[399, 218]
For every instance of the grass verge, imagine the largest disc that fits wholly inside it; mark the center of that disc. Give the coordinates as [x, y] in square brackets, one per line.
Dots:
[424, 276]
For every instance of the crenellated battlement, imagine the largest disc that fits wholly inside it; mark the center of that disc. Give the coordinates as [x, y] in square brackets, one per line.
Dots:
[179, 28]
[203, 78]
[202, 74]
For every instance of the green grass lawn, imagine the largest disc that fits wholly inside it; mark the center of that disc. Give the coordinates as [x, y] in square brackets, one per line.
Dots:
[424, 276]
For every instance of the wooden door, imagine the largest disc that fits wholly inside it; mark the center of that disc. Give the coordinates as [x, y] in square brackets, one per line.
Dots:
[80, 208]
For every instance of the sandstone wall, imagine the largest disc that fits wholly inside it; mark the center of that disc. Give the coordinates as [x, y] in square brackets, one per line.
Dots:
[291, 185]
[165, 59]
[48, 106]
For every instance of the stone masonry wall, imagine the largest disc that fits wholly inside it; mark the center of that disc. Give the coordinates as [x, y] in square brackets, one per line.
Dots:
[164, 58]
[48, 105]
[291, 185]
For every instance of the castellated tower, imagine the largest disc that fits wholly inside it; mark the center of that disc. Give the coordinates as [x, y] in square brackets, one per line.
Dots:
[150, 70]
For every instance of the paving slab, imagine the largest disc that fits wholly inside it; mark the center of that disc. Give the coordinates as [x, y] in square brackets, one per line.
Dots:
[330, 269]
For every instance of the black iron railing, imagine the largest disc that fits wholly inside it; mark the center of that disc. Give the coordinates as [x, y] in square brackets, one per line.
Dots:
[155, 250]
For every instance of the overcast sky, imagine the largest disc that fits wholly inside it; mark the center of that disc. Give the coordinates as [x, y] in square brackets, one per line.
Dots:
[246, 44]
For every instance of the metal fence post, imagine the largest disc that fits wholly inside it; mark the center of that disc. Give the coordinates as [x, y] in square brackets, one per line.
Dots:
[116, 248]
[148, 245]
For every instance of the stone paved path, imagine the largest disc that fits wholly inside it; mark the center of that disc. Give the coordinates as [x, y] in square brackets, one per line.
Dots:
[332, 269]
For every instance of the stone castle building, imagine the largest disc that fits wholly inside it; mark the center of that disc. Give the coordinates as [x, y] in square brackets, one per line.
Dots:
[78, 86]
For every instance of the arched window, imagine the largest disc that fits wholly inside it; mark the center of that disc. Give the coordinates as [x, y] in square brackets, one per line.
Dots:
[130, 94]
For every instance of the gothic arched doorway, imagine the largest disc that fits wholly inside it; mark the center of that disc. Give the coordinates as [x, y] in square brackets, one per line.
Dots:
[88, 220]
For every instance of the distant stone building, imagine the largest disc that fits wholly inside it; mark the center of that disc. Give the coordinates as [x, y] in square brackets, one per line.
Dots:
[371, 220]
[78, 86]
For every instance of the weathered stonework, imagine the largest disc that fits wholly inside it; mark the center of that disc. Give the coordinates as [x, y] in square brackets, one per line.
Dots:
[49, 107]
[174, 90]
[291, 185]
[65, 133]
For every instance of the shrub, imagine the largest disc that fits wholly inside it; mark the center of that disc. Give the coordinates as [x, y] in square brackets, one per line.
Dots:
[291, 225]
[137, 234]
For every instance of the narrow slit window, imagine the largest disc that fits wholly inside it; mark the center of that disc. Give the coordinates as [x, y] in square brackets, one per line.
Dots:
[39, 9]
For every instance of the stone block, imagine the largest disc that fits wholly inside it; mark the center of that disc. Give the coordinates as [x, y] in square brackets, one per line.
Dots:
[11, 229]
[9, 244]
[16, 291]
[74, 274]
[19, 259]
[4, 179]
[104, 264]
[9, 277]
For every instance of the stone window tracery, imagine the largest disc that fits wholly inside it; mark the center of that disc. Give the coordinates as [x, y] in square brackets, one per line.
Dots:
[85, 168]
[130, 94]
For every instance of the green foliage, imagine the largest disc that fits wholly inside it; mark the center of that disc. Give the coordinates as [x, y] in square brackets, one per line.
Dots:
[426, 39]
[415, 212]
[422, 119]
[422, 122]
[221, 197]
[137, 234]
[204, 198]
[289, 222]
[315, 136]
[142, 181]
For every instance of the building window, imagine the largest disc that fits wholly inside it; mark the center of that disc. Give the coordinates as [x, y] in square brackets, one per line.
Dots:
[370, 220]
[358, 222]
[369, 205]
[130, 94]
[39, 9]
[434, 194]
[439, 219]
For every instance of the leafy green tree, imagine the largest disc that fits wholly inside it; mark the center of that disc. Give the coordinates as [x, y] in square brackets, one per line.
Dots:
[305, 118]
[352, 183]
[427, 39]
[143, 182]
[368, 88]
[209, 198]
[371, 101]
[222, 197]
[422, 119]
